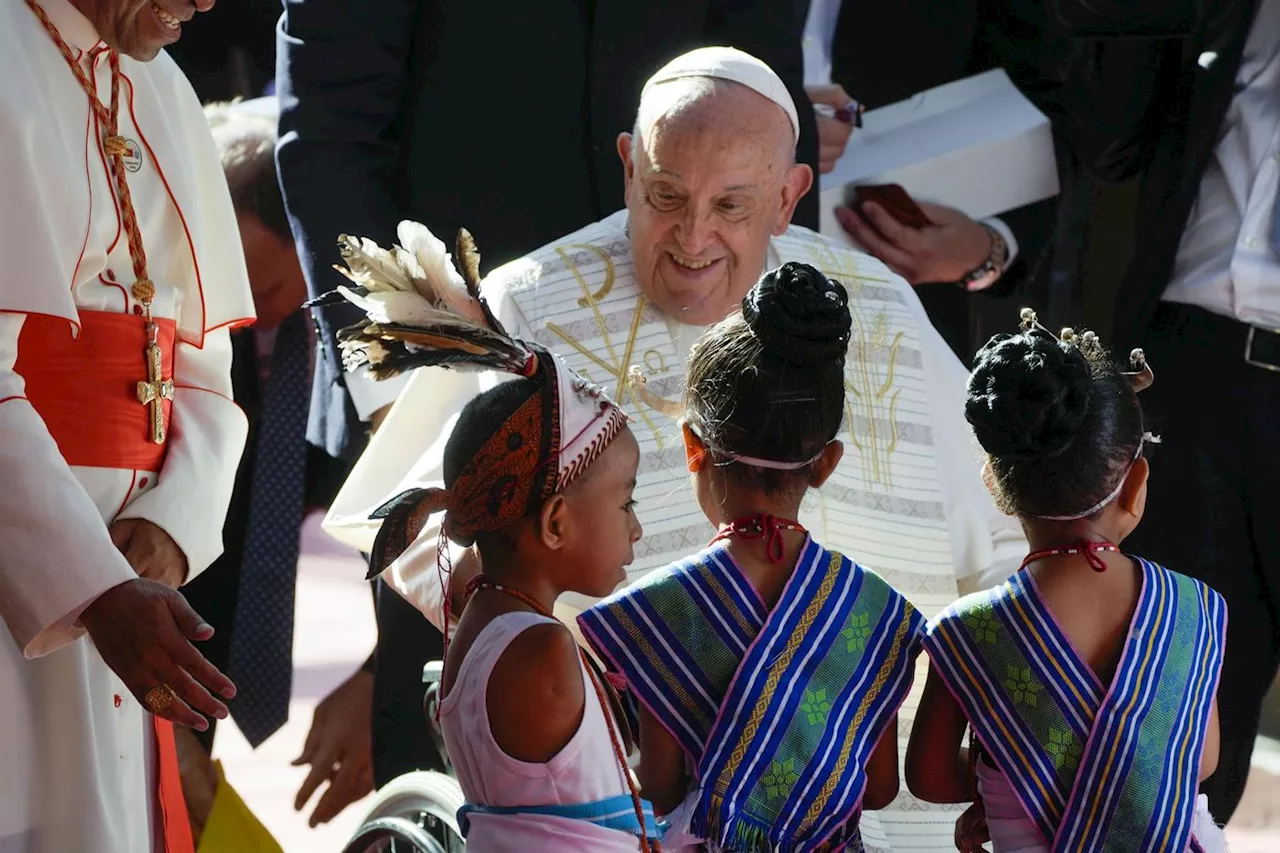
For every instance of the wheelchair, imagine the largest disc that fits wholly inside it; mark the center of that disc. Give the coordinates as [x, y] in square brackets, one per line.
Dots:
[416, 812]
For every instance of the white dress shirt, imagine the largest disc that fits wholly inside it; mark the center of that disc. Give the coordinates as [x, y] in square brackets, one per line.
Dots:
[1226, 262]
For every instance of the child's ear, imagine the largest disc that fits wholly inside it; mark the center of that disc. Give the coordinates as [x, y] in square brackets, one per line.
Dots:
[1133, 494]
[695, 452]
[826, 464]
[553, 522]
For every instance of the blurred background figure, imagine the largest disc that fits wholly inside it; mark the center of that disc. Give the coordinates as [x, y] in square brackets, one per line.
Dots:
[248, 594]
[498, 117]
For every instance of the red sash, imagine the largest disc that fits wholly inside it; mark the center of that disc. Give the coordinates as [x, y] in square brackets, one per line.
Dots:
[85, 388]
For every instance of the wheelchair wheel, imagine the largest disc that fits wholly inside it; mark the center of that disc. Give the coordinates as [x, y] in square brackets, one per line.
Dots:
[415, 813]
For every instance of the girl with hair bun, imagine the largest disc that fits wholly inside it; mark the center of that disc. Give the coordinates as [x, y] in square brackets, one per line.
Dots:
[1088, 679]
[769, 670]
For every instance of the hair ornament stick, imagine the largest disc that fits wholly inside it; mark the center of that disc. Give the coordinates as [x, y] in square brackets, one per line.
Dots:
[1140, 377]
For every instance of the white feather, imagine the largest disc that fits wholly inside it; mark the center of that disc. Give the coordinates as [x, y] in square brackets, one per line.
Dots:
[441, 282]
[395, 306]
[378, 268]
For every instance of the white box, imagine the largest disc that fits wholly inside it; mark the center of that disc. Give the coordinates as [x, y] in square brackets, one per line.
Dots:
[975, 144]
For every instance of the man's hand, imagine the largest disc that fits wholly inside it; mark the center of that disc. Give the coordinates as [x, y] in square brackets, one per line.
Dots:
[339, 749]
[943, 252]
[152, 552]
[833, 134]
[142, 630]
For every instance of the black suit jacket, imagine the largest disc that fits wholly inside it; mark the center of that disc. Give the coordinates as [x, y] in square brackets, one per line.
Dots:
[498, 116]
[1141, 102]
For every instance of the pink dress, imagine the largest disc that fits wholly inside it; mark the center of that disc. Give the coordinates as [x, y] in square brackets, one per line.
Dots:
[1012, 830]
[586, 770]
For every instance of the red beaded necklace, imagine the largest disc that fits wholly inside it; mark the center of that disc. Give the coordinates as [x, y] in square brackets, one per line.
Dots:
[1087, 547]
[646, 845]
[762, 526]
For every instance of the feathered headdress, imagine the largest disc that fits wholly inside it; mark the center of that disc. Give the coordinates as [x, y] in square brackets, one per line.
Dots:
[423, 308]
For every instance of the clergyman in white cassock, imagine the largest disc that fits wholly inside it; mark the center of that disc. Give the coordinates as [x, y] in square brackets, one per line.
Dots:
[907, 501]
[81, 762]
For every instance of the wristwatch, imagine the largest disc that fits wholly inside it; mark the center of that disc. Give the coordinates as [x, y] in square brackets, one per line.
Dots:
[989, 271]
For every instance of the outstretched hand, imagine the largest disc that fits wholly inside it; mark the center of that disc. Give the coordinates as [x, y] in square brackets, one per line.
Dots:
[143, 630]
[151, 551]
[339, 749]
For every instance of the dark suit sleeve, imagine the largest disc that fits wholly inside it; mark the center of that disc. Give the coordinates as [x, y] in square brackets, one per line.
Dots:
[341, 68]
[769, 31]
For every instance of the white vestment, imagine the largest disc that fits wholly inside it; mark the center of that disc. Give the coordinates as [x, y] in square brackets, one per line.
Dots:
[907, 500]
[76, 749]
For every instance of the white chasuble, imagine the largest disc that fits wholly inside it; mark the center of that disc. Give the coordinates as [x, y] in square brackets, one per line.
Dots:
[76, 750]
[907, 500]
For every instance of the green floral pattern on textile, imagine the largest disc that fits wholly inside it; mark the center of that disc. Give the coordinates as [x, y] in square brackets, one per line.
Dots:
[1065, 750]
[983, 626]
[815, 706]
[1021, 686]
[857, 633]
[780, 779]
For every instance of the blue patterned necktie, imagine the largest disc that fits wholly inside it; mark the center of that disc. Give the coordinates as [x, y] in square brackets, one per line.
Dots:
[261, 663]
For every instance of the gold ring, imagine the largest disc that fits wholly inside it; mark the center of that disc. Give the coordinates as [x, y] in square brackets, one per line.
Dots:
[158, 698]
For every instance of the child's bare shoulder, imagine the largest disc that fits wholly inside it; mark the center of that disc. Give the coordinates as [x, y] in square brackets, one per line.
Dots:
[536, 694]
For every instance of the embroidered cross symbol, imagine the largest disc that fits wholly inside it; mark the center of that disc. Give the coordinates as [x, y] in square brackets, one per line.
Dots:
[619, 361]
[155, 390]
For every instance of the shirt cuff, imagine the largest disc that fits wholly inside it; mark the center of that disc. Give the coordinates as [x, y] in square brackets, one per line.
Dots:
[1010, 242]
[369, 395]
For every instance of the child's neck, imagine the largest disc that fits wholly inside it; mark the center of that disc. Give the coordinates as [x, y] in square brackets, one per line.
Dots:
[518, 579]
[751, 555]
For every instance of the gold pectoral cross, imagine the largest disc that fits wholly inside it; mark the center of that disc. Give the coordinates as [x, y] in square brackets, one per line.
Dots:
[155, 390]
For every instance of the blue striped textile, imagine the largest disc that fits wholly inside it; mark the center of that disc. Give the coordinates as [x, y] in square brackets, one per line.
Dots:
[778, 710]
[1095, 766]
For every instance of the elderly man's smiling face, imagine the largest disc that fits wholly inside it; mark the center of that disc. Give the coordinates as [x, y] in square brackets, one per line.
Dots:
[708, 181]
[140, 28]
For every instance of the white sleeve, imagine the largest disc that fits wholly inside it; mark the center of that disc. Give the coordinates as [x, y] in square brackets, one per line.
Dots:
[987, 545]
[207, 432]
[368, 395]
[56, 555]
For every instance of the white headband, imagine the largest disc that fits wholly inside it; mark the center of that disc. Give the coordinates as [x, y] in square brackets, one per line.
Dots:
[727, 63]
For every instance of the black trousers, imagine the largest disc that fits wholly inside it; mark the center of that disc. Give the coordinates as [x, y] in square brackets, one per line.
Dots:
[406, 641]
[1213, 509]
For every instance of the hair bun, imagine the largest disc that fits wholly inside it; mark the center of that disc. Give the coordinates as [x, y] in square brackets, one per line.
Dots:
[799, 315]
[1028, 396]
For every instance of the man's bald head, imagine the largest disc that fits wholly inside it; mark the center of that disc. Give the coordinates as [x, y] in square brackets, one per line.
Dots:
[710, 176]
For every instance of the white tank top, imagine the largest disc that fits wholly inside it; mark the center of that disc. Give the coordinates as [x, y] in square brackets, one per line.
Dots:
[584, 771]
